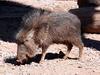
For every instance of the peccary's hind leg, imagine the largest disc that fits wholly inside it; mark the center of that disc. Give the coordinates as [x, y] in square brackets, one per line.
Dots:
[80, 45]
[69, 45]
[80, 51]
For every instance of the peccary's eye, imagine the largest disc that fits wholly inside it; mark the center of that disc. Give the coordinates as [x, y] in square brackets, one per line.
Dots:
[20, 42]
[25, 40]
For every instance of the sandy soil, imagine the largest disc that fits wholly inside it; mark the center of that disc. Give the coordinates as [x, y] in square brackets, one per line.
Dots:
[54, 63]
[52, 5]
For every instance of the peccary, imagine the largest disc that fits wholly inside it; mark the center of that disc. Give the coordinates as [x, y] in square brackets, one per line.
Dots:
[46, 29]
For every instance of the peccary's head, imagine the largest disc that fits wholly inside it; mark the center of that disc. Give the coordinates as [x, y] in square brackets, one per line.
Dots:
[25, 51]
[26, 47]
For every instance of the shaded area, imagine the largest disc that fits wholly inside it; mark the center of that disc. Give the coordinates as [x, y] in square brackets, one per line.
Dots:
[92, 43]
[10, 17]
[87, 3]
[36, 59]
[11, 14]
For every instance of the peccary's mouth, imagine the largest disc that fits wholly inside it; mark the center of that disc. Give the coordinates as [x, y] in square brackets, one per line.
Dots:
[24, 60]
[21, 61]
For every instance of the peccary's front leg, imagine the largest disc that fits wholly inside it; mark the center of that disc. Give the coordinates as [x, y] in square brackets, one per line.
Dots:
[44, 49]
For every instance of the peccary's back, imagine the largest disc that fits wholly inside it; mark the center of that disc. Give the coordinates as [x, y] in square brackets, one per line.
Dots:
[63, 20]
[64, 26]
[63, 16]
[61, 27]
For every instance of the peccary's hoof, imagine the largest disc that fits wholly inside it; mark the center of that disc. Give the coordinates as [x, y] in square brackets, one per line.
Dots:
[80, 59]
[65, 57]
[61, 59]
[41, 62]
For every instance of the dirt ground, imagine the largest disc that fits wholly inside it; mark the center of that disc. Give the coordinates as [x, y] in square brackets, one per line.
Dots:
[54, 63]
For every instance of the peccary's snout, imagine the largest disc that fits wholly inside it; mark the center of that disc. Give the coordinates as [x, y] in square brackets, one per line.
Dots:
[25, 51]
[21, 53]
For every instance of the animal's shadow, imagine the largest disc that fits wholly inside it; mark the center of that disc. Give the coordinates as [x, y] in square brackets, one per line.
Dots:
[36, 59]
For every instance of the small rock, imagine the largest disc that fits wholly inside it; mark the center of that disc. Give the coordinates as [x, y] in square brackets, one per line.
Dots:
[79, 66]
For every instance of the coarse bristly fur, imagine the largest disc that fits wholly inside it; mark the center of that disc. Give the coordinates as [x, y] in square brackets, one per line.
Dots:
[28, 22]
[57, 27]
